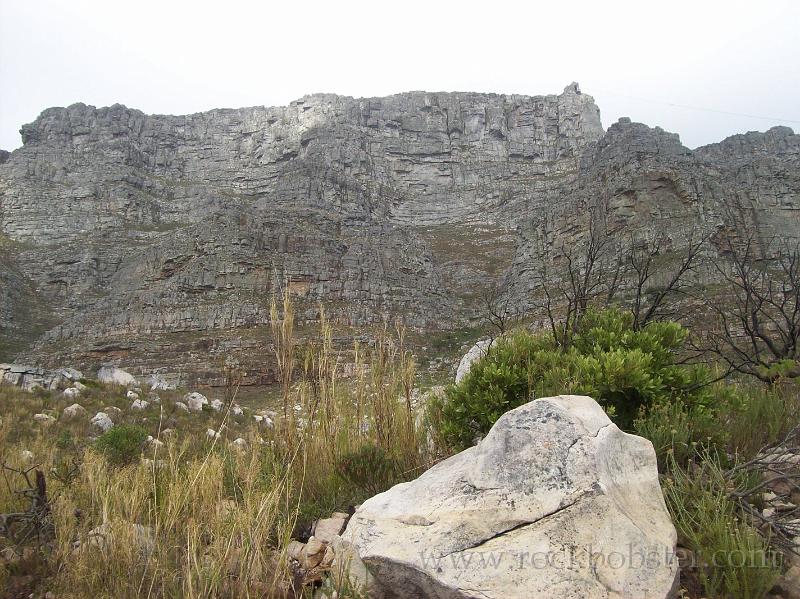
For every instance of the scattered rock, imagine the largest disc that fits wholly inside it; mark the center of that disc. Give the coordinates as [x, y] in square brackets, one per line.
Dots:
[159, 382]
[239, 443]
[29, 378]
[76, 410]
[71, 392]
[104, 536]
[114, 413]
[236, 410]
[153, 442]
[115, 376]
[554, 479]
[44, 418]
[212, 434]
[195, 401]
[102, 421]
[217, 405]
[327, 529]
[180, 406]
[26, 455]
[139, 405]
[132, 395]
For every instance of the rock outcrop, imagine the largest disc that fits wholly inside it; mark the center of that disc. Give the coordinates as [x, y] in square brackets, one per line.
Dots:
[555, 502]
[153, 241]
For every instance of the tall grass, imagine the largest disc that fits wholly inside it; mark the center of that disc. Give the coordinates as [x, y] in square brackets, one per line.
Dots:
[202, 518]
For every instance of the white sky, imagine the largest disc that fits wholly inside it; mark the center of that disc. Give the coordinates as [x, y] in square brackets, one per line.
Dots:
[638, 59]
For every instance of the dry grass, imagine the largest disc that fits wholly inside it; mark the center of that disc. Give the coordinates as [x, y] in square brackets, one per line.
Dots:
[198, 517]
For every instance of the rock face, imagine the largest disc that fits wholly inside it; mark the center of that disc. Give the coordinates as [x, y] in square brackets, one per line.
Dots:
[555, 502]
[154, 241]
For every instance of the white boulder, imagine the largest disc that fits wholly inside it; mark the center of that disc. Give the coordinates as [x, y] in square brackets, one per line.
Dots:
[217, 405]
[477, 352]
[554, 502]
[102, 421]
[132, 395]
[195, 401]
[139, 405]
[44, 418]
[115, 376]
[181, 407]
[71, 392]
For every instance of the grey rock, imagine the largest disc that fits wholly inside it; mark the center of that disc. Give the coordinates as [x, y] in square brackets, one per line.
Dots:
[158, 237]
[115, 376]
[555, 502]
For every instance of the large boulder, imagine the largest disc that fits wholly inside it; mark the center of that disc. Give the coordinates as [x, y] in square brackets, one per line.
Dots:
[29, 378]
[554, 502]
[475, 353]
[115, 376]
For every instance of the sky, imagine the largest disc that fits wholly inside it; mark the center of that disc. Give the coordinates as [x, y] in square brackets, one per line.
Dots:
[702, 69]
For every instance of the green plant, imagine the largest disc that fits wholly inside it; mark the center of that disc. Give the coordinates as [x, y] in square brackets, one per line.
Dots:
[122, 444]
[370, 468]
[625, 370]
[732, 560]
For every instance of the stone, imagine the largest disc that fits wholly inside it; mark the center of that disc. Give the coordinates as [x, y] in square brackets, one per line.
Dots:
[326, 529]
[74, 411]
[29, 378]
[158, 382]
[132, 395]
[139, 405]
[216, 405]
[44, 418]
[71, 392]
[114, 413]
[236, 410]
[26, 455]
[195, 401]
[71, 374]
[554, 482]
[112, 375]
[412, 206]
[102, 421]
[212, 434]
[153, 442]
[475, 353]
[181, 407]
[104, 537]
[239, 443]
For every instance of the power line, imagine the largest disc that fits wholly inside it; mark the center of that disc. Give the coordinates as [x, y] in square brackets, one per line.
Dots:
[700, 108]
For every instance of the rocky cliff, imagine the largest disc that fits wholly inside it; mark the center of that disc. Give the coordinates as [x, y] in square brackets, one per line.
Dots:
[157, 240]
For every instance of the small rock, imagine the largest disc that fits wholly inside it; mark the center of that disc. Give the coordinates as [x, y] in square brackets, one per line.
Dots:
[236, 410]
[103, 537]
[217, 405]
[79, 386]
[195, 401]
[239, 443]
[212, 434]
[113, 412]
[139, 404]
[26, 455]
[132, 395]
[76, 410]
[180, 406]
[153, 442]
[115, 376]
[44, 418]
[102, 421]
[327, 528]
[71, 392]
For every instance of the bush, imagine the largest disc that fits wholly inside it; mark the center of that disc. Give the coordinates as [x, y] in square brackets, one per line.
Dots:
[369, 468]
[731, 558]
[625, 370]
[122, 444]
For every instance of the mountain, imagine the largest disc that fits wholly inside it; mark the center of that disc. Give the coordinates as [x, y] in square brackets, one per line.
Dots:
[156, 241]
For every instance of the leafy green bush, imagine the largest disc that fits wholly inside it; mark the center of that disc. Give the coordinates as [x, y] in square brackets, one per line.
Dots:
[122, 444]
[369, 468]
[625, 370]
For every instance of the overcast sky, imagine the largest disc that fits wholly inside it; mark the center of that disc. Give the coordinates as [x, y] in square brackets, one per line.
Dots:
[657, 63]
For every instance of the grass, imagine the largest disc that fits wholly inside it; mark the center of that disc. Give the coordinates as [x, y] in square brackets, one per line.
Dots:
[198, 516]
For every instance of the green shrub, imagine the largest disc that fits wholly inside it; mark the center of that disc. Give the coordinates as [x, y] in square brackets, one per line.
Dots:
[625, 370]
[369, 468]
[122, 444]
[732, 559]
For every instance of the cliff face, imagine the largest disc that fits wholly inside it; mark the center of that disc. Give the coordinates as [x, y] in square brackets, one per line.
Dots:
[157, 240]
